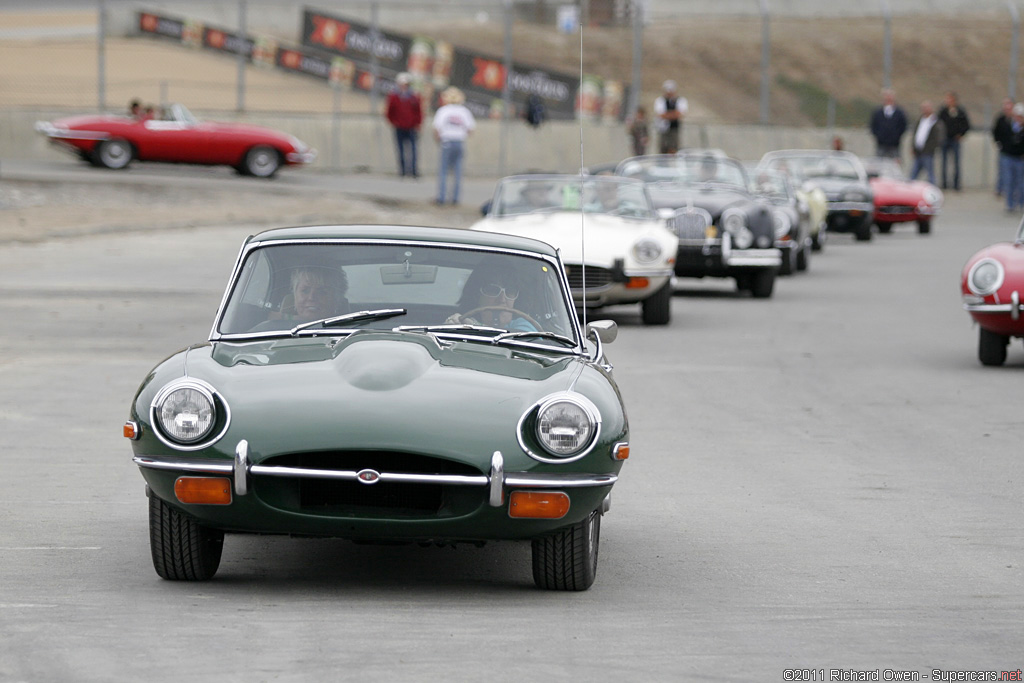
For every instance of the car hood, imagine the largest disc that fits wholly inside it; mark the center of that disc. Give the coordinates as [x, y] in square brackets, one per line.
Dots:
[901, 191]
[712, 200]
[380, 390]
[241, 129]
[89, 121]
[607, 237]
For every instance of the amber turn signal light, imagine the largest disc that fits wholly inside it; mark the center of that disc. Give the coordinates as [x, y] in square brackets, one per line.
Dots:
[620, 451]
[203, 490]
[538, 504]
[132, 430]
[637, 283]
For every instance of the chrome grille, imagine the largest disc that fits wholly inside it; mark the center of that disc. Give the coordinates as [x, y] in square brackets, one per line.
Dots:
[896, 208]
[596, 277]
[691, 223]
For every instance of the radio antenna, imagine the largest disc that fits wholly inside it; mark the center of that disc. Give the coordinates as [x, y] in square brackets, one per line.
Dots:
[583, 222]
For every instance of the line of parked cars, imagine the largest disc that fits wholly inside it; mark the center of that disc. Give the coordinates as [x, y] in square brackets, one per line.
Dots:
[436, 386]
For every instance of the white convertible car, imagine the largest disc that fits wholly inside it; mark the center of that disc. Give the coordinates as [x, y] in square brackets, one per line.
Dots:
[605, 222]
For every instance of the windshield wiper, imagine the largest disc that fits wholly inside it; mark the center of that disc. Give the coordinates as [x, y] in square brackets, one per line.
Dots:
[450, 327]
[380, 314]
[543, 335]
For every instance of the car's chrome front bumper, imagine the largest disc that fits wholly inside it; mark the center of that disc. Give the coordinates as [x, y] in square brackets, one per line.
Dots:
[496, 481]
[636, 285]
[855, 208]
[1013, 307]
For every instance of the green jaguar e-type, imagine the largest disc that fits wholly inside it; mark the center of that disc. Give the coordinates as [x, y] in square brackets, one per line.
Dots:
[386, 383]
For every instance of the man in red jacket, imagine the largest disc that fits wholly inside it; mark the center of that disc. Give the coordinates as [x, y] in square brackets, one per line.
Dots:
[406, 115]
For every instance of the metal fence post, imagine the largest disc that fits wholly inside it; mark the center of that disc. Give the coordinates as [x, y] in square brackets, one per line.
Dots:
[506, 99]
[240, 99]
[374, 81]
[101, 56]
[1014, 47]
[887, 49]
[765, 63]
[638, 56]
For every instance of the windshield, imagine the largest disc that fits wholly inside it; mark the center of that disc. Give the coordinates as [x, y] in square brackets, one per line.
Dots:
[807, 166]
[282, 288]
[689, 169]
[610, 195]
[770, 184]
[884, 168]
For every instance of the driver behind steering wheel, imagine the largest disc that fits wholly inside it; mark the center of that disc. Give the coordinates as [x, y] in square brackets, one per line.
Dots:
[489, 299]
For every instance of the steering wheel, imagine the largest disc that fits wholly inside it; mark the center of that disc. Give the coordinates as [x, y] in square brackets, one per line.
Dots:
[521, 314]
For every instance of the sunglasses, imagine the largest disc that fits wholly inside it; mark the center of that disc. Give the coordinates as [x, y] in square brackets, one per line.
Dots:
[494, 291]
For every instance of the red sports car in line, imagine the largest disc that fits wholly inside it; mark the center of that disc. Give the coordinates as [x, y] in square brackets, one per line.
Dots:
[992, 283]
[177, 137]
[899, 200]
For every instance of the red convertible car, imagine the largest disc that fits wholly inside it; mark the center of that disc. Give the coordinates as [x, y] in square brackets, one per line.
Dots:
[899, 200]
[177, 137]
[991, 284]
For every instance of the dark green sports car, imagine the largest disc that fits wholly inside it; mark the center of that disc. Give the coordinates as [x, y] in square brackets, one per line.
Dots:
[382, 383]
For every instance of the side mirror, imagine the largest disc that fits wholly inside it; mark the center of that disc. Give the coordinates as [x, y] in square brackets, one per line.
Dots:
[605, 330]
[485, 208]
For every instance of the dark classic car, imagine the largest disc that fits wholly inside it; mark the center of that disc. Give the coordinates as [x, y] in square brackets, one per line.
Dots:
[899, 199]
[723, 230]
[991, 284]
[629, 250]
[382, 383]
[792, 218]
[177, 137]
[842, 178]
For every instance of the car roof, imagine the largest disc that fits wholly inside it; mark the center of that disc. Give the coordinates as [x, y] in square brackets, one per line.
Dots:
[406, 233]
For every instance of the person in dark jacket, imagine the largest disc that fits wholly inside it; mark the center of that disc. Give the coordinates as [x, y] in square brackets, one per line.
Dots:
[1013, 149]
[954, 118]
[1000, 131]
[888, 124]
[405, 113]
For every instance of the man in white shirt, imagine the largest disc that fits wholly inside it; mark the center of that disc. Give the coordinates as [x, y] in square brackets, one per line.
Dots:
[453, 123]
[928, 136]
[669, 111]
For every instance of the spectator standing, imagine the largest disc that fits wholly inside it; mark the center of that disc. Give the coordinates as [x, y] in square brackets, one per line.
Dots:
[928, 136]
[453, 123]
[669, 111]
[888, 124]
[1013, 149]
[535, 113]
[956, 123]
[639, 132]
[405, 113]
[1000, 133]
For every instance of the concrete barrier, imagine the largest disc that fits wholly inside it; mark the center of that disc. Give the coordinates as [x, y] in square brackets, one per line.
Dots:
[365, 144]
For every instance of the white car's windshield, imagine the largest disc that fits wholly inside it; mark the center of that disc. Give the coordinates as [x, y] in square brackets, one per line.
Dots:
[686, 168]
[610, 195]
[282, 288]
[818, 166]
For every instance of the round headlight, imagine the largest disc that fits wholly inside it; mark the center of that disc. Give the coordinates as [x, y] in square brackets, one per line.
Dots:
[782, 224]
[743, 239]
[932, 196]
[564, 427]
[186, 414]
[986, 277]
[646, 250]
[734, 221]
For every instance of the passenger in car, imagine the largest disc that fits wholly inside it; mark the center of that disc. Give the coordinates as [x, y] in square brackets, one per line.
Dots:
[489, 298]
[316, 292]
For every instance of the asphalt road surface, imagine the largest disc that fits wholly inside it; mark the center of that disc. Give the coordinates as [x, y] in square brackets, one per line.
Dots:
[824, 480]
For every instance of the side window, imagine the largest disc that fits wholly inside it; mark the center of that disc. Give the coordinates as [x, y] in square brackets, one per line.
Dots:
[256, 281]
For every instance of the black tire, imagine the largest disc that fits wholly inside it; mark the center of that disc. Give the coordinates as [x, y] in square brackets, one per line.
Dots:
[818, 241]
[884, 228]
[261, 161]
[762, 283]
[567, 559]
[744, 281]
[803, 258]
[924, 227]
[992, 348]
[788, 266]
[183, 549]
[114, 154]
[864, 231]
[657, 308]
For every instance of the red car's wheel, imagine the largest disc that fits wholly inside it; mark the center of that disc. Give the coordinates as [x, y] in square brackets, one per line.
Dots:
[992, 347]
[924, 227]
[261, 162]
[114, 153]
[884, 228]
